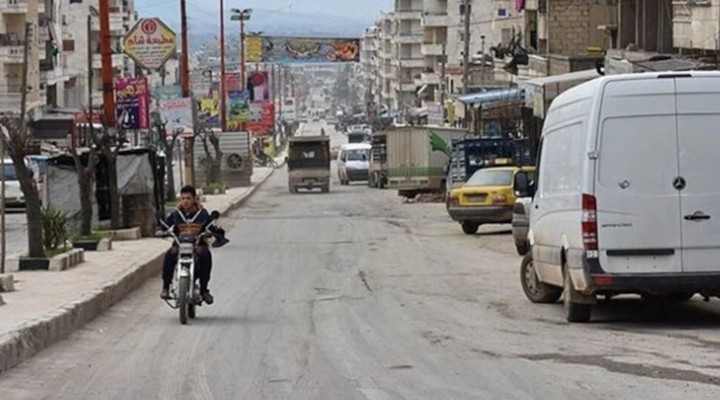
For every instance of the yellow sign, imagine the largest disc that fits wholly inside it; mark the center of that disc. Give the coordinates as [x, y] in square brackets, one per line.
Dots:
[254, 48]
[150, 43]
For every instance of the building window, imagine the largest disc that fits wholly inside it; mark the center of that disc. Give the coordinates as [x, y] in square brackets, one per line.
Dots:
[68, 45]
[75, 1]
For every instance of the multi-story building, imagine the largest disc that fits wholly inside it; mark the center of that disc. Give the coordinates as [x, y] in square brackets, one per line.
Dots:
[75, 45]
[368, 58]
[20, 17]
[386, 55]
[409, 59]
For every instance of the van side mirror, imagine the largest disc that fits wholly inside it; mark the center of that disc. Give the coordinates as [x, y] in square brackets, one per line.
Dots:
[521, 185]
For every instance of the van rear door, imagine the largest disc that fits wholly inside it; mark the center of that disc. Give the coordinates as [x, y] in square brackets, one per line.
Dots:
[638, 207]
[698, 115]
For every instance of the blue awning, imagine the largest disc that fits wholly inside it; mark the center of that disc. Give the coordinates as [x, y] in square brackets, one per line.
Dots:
[491, 96]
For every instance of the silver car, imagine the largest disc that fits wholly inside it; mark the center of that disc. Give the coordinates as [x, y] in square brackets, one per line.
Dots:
[521, 224]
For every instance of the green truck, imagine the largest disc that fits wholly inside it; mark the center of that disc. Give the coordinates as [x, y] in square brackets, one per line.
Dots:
[417, 157]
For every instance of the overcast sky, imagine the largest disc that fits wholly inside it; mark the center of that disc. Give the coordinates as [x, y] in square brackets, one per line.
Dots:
[364, 10]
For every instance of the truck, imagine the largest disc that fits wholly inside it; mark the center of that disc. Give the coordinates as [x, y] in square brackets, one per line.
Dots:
[417, 158]
[308, 163]
[378, 172]
[473, 153]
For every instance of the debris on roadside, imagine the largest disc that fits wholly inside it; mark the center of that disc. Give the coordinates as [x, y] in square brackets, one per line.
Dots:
[429, 198]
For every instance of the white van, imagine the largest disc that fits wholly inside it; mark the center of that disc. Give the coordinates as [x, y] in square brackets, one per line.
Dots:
[353, 162]
[627, 198]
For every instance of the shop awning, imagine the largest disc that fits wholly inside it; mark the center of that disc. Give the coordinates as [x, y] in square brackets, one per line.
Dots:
[491, 96]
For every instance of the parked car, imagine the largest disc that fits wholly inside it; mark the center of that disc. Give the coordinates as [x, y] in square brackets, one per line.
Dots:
[353, 162]
[627, 194]
[520, 224]
[487, 197]
[14, 196]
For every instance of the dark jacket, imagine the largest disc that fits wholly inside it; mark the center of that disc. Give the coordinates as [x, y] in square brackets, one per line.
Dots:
[190, 222]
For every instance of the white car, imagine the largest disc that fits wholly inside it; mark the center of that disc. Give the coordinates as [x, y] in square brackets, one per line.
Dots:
[627, 196]
[14, 197]
[353, 162]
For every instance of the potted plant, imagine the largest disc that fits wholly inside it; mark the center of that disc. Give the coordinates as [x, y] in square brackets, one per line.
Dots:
[54, 226]
[89, 242]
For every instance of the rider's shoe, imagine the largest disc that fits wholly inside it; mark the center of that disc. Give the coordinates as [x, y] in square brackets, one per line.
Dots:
[207, 297]
[165, 294]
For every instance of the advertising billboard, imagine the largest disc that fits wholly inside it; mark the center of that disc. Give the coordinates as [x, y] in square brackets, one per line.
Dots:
[289, 50]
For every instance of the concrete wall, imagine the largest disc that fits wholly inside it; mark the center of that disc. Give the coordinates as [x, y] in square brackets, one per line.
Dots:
[572, 25]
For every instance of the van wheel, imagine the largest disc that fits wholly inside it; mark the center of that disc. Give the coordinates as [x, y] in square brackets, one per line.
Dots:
[574, 312]
[536, 291]
[470, 228]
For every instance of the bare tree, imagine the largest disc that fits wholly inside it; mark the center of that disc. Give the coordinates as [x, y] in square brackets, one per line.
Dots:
[213, 160]
[167, 144]
[86, 179]
[17, 138]
[109, 141]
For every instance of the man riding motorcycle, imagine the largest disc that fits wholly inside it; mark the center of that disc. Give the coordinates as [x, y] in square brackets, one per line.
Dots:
[190, 218]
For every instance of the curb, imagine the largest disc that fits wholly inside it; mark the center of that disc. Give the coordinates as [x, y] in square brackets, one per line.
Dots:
[35, 336]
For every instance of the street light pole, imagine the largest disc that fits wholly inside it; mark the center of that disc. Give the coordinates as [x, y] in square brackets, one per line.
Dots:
[3, 250]
[223, 87]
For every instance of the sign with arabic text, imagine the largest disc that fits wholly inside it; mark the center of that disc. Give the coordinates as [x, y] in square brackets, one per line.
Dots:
[238, 106]
[258, 84]
[177, 114]
[132, 102]
[150, 43]
[292, 50]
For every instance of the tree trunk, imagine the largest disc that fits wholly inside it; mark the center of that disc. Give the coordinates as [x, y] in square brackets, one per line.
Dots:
[115, 222]
[170, 189]
[85, 182]
[33, 208]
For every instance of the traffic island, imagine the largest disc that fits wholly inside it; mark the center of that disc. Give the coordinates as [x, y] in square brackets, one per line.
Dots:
[7, 283]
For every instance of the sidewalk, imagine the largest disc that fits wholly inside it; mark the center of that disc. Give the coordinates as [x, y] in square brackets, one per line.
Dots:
[47, 306]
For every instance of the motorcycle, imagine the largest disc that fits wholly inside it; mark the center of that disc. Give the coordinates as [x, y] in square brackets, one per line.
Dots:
[184, 291]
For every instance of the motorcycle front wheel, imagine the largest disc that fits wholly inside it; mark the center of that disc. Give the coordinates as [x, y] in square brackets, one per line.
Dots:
[183, 300]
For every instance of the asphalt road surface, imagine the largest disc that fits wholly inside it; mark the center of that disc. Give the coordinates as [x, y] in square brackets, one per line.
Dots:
[358, 295]
[16, 234]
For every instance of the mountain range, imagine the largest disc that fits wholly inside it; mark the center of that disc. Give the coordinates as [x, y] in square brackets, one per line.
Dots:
[202, 25]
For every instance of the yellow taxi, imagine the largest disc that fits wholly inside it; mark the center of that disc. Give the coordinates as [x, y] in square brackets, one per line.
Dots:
[488, 197]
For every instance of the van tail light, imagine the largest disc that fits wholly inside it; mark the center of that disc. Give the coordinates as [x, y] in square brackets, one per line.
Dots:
[453, 201]
[589, 225]
[499, 199]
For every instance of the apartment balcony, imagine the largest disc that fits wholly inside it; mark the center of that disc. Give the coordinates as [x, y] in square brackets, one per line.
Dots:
[116, 23]
[11, 52]
[10, 99]
[409, 38]
[409, 14]
[408, 86]
[19, 7]
[430, 78]
[435, 20]
[118, 61]
[409, 62]
[432, 49]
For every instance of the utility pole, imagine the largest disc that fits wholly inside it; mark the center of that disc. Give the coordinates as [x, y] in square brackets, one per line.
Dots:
[482, 54]
[223, 87]
[443, 87]
[107, 69]
[185, 84]
[185, 64]
[3, 240]
[466, 53]
[91, 76]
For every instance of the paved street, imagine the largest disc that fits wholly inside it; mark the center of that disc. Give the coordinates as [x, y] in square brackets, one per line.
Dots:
[357, 295]
[16, 235]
